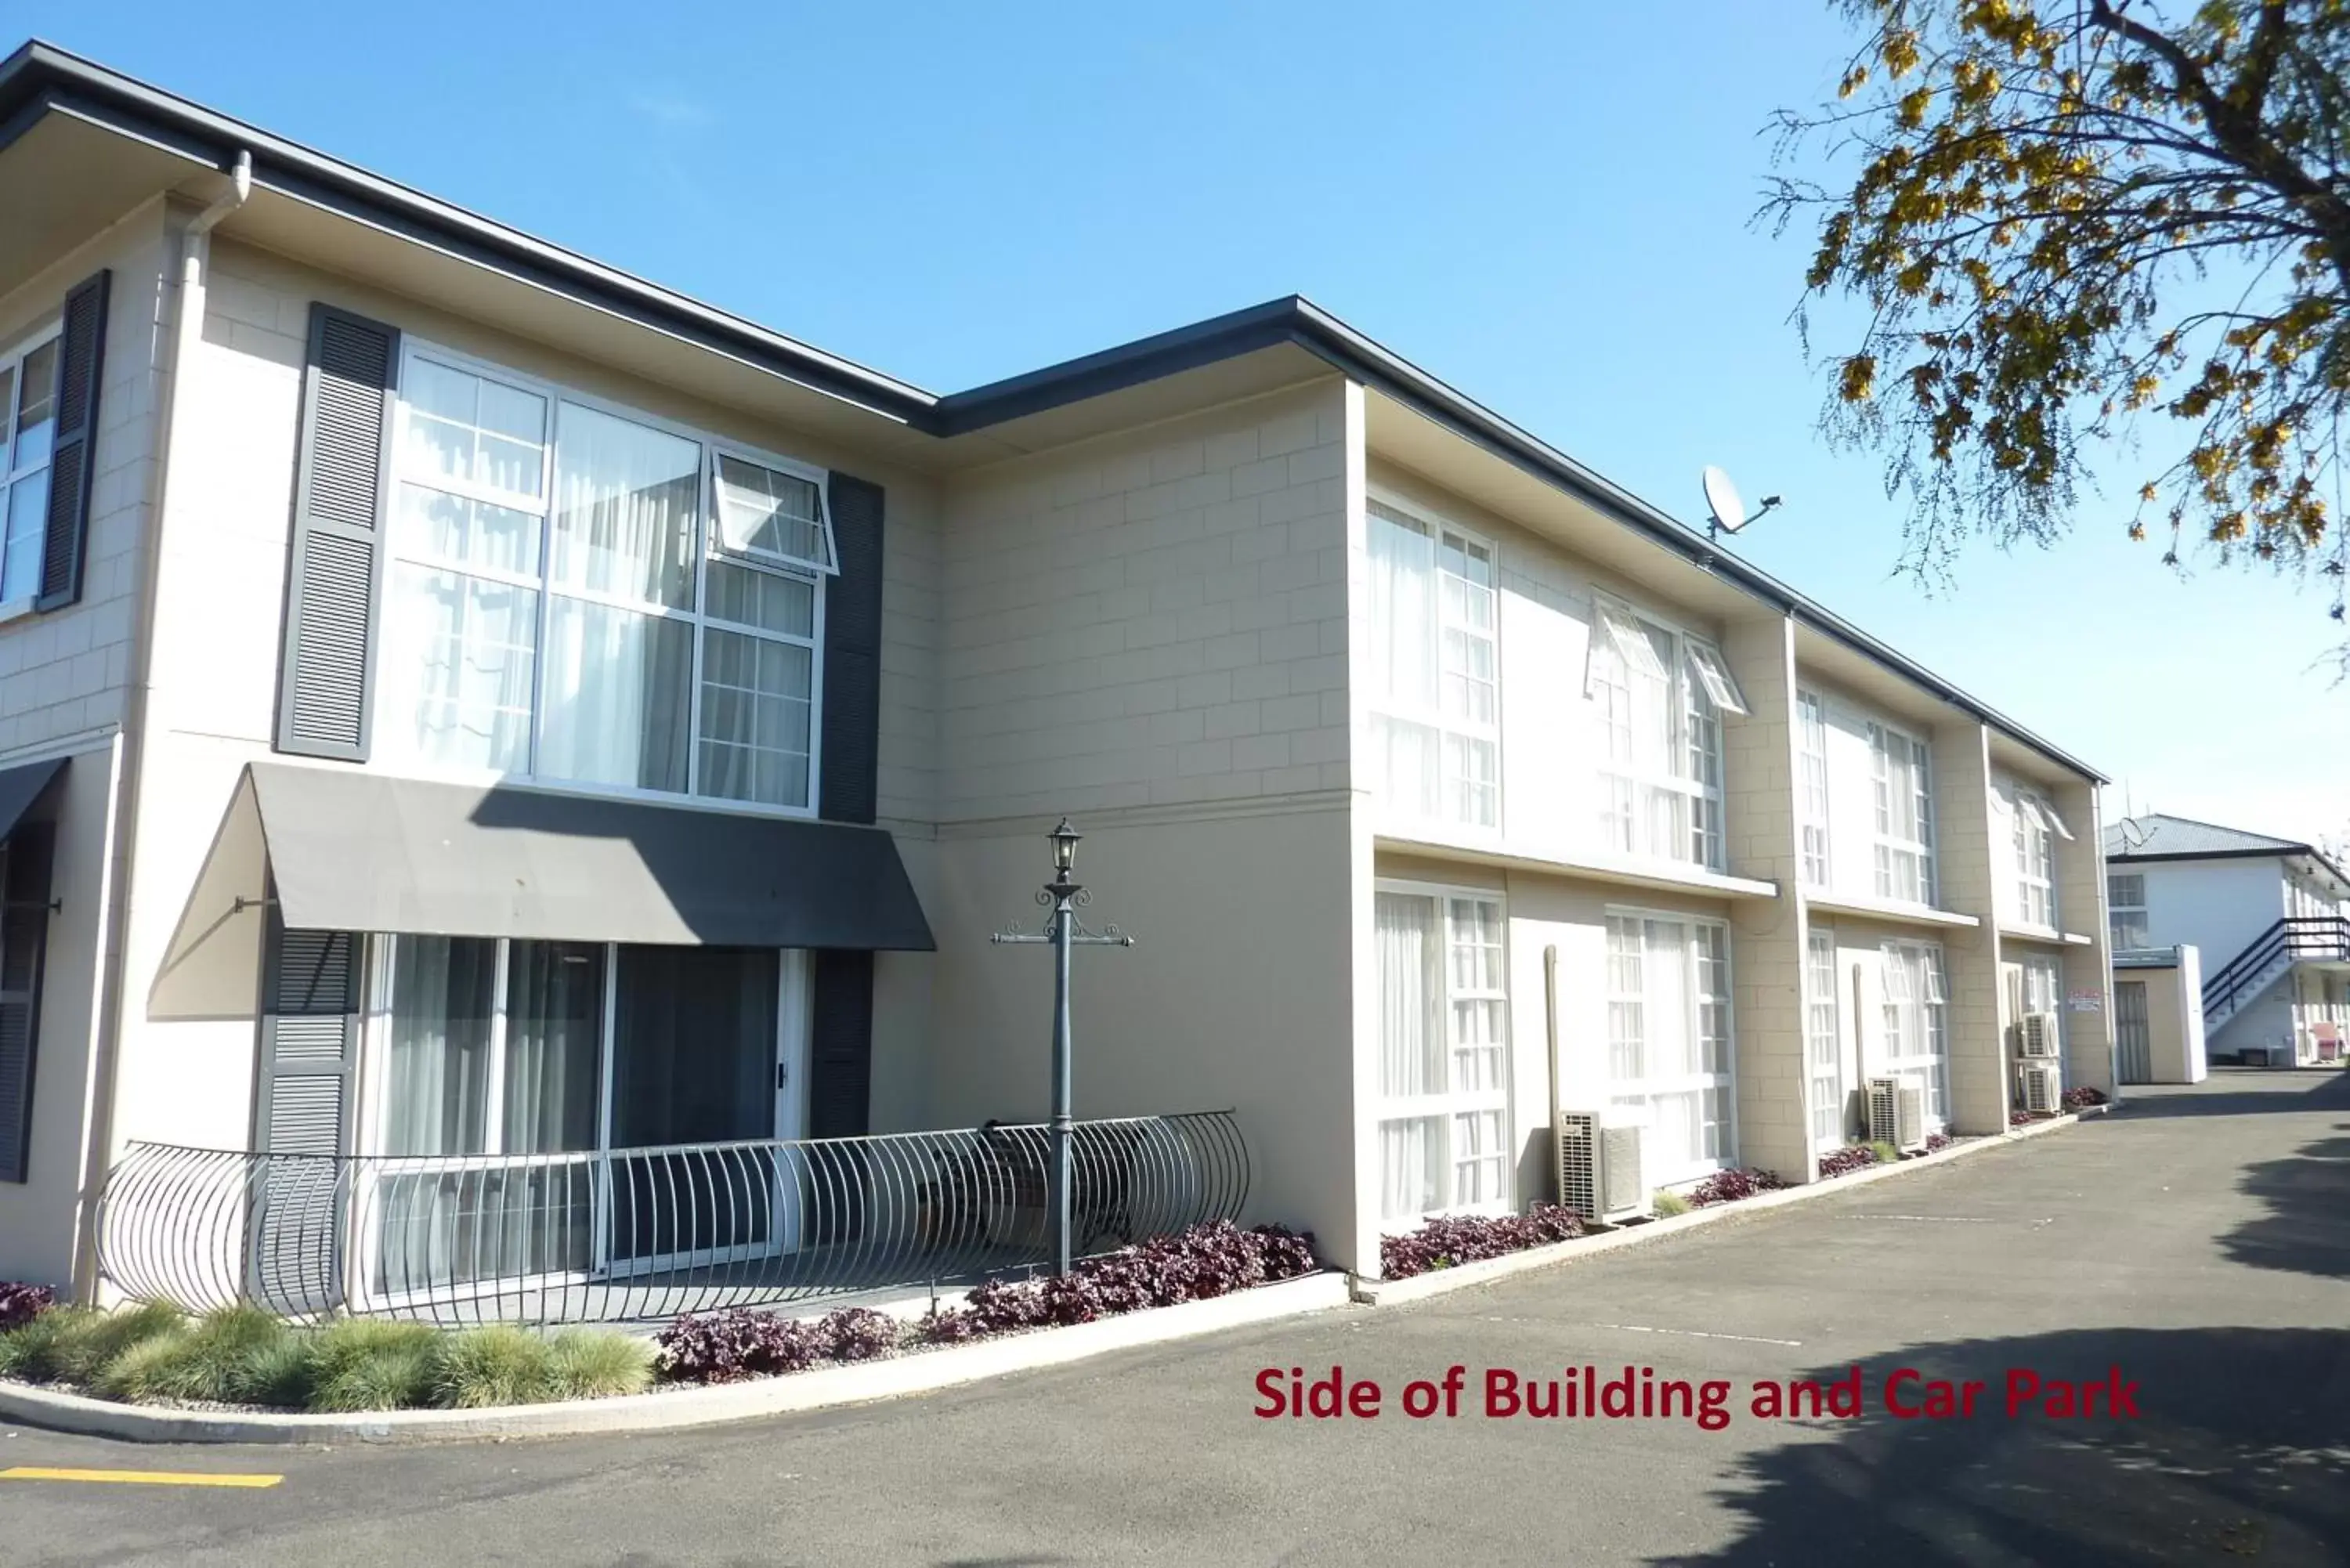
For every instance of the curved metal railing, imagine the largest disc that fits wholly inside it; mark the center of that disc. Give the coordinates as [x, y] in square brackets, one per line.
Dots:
[631, 1234]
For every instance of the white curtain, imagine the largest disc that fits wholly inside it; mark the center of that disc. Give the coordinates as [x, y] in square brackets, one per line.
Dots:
[1409, 1181]
[617, 693]
[457, 681]
[439, 1077]
[554, 1015]
[1672, 1046]
[1411, 1052]
[1403, 611]
[625, 512]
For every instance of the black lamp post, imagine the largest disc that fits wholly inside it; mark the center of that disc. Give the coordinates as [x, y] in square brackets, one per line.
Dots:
[1065, 897]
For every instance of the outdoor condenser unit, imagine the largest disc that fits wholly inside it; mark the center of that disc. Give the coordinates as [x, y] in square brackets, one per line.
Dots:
[2036, 1038]
[2042, 1089]
[1599, 1174]
[1896, 1114]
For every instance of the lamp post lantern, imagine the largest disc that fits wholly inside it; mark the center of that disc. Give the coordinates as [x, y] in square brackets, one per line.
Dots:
[1064, 897]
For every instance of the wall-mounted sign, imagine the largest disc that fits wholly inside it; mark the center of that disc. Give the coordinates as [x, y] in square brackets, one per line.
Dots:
[2086, 1001]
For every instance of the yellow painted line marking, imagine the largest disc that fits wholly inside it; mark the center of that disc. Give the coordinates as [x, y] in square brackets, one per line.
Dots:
[138, 1478]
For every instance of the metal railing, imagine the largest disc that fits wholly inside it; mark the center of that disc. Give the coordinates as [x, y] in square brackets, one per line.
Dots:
[631, 1234]
[2297, 938]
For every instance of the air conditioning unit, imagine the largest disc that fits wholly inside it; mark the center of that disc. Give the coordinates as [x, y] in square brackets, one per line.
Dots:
[2036, 1037]
[1599, 1174]
[2041, 1088]
[1896, 1114]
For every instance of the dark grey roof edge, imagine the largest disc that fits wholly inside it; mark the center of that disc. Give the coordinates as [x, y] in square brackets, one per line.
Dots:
[40, 78]
[2281, 850]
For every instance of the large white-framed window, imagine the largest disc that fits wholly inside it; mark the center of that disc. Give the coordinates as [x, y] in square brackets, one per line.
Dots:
[28, 424]
[1917, 1024]
[1812, 731]
[582, 594]
[1444, 1069]
[1824, 1037]
[2126, 924]
[1903, 770]
[1435, 698]
[1669, 1064]
[1660, 694]
[2033, 826]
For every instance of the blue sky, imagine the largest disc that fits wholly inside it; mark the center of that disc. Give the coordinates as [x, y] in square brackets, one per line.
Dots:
[1547, 205]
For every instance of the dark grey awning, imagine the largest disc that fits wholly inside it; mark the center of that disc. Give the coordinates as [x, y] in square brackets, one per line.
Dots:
[20, 787]
[357, 851]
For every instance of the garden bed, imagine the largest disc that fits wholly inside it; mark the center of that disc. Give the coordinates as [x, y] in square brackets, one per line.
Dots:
[243, 1360]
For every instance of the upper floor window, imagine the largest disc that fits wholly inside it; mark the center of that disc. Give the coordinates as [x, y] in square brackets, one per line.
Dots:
[1811, 722]
[1435, 685]
[2125, 910]
[1660, 695]
[28, 424]
[2035, 829]
[1905, 815]
[581, 594]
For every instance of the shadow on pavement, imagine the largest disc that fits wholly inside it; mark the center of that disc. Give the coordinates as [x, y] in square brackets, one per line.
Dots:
[2307, 1226]
[2242, 1454]
[2282, 1091]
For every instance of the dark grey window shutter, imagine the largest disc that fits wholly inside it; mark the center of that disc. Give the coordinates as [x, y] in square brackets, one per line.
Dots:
[341, 478]
[24, 942]
[73, 464]
[852, 655]
[841, 1042]
[303, 1099]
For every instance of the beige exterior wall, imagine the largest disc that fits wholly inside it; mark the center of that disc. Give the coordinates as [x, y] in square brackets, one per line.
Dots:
[1972, 847]
[1157, 618]
[1767, 935]
[65, 688]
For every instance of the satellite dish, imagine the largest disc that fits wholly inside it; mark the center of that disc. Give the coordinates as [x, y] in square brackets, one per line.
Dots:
[2133, 834]
[1725, 511]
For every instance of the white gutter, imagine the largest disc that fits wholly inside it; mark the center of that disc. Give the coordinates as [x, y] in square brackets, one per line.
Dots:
[186, 334]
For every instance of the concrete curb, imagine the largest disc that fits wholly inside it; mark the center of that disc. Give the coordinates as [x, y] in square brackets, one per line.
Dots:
[669, 1410]
[1392, 1293]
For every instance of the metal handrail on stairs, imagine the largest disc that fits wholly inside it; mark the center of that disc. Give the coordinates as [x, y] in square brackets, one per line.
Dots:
[2294, 939]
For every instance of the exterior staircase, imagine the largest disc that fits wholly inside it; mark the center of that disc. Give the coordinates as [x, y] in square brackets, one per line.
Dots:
[2268, 958]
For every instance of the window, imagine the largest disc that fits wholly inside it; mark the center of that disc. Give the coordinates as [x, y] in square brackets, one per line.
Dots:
[1917, 1021]
[1812, 721]
[1669, 1040]
[1444, 1127]
[28, 423]
[501, 1071]
[1905, 815]
[1660, 696]
[1823, 1039]
[1435, 691]
[2032, 822]
[2125, 910]
[578, 594]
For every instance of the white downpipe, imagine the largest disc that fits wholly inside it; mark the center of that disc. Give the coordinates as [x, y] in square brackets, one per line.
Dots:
[187, 332]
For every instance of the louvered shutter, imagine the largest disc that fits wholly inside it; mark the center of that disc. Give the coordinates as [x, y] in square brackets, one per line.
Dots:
[302, 1114]
[73, 463]
[24, 941]
[852, 655]
[339, 487]
[840, 1065]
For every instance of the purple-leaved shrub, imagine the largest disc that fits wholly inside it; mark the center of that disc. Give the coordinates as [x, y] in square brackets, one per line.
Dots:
[1450, 1240]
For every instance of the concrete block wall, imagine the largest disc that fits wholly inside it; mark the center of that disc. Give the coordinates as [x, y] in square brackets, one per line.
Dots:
[1973, 852]
[2088, 970]
[1766, 936]
[1153, 620]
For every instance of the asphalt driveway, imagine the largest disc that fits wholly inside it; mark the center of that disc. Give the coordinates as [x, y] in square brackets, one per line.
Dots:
[2192, 1248]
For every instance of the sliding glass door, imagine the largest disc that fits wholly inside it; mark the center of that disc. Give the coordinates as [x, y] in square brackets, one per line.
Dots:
[561, 1110]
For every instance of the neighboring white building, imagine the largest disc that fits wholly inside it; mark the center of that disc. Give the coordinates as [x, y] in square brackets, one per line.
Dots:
[495, 714]
[2271, 916]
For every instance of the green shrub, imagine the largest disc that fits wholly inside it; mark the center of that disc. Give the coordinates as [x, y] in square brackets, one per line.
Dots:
[1886, 1154]
[208, 1360]
[368, 1364]
[597, 1363]
[495, 1365]
[1667, 1204]
[283, 1375]
[73, 1345]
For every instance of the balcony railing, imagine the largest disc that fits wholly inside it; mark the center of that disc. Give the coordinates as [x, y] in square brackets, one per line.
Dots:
[2300, 939]
[631, 1234]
